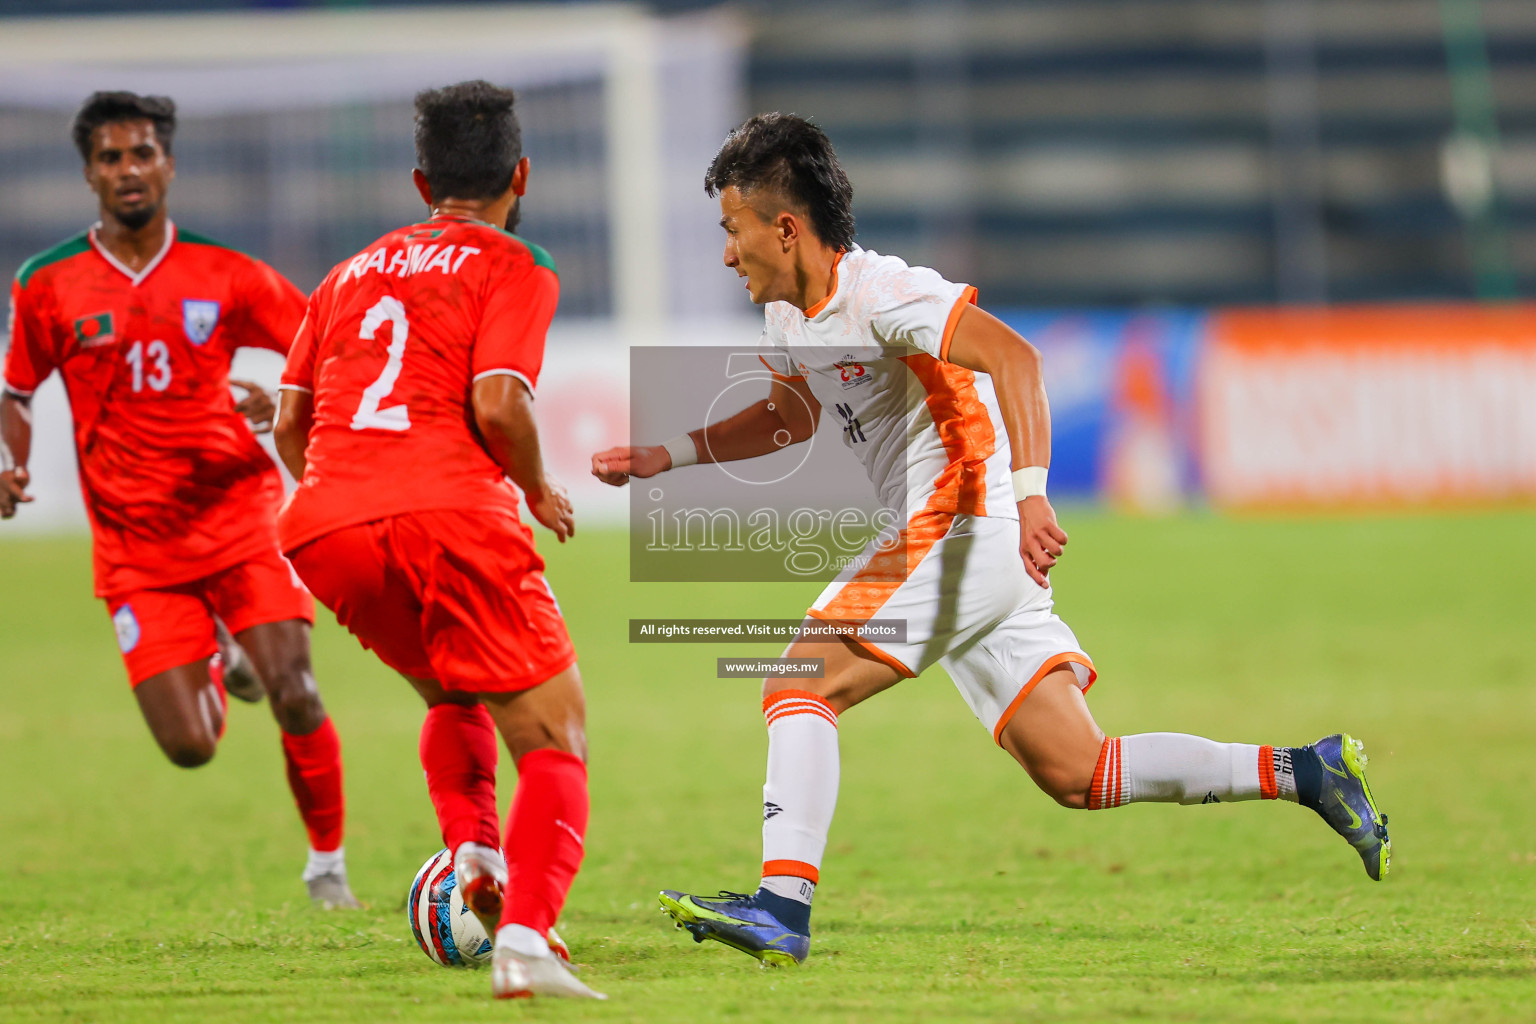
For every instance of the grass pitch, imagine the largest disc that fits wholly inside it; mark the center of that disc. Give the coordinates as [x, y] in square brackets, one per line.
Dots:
[134, 891]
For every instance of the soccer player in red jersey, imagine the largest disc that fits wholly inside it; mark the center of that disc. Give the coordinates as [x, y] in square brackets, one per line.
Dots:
[407, 403]
[141, 319]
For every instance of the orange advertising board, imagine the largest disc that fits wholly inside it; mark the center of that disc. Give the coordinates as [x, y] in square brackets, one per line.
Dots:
[1369, 406]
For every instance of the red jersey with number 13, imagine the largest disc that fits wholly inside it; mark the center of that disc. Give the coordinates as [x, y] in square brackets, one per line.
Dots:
[391, 346]
[176, 486]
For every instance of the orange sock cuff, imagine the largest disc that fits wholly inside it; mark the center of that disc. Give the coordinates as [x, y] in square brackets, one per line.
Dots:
[783, 703]
[792, 868]
[1105, 789]
[1269, 789]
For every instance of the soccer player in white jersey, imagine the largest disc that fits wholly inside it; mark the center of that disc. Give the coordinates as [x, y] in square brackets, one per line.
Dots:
[953, 429]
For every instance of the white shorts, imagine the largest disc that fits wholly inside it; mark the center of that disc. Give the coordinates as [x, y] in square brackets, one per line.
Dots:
[960, 585]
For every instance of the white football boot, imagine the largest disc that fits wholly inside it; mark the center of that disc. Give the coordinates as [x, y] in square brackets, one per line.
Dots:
[557, 945]
[325, 875]
[331, 892]
[482, 878]
[517, 975]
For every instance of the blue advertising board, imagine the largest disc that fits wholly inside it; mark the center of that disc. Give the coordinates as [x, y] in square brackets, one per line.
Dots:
[1121, 387]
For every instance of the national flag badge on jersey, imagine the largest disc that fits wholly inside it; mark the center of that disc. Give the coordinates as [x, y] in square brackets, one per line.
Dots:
[198, 318]
[127, 626]
[94, 330]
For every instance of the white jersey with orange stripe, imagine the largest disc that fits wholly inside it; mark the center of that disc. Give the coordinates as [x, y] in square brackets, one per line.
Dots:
[874, 353]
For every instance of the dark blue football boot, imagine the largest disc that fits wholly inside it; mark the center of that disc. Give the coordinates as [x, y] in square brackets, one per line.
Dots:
[1345, 802]
[739, 921]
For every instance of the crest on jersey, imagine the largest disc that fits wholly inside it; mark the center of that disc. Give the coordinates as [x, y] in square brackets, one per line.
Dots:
[127, 626]
[95, 330]
[853, 374]
[198, 318]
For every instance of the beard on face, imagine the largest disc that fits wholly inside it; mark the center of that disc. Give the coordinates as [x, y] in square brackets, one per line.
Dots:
[137, 217]
[514, 215]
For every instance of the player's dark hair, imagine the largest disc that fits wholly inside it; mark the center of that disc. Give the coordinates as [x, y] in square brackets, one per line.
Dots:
[789, 156]
[468, 141]
[112, 107]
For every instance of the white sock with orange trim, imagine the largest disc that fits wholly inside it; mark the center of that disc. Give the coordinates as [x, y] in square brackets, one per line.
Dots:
[1173, 767]
[800, 794]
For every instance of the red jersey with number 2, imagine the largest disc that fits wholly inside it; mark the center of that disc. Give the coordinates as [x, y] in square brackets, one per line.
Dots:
[176, 486]
[391, 346]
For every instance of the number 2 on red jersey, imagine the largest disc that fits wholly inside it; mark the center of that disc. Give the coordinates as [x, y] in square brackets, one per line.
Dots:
[392, 311]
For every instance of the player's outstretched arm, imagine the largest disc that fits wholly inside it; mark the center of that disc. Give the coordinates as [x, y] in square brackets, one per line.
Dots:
[787, 416]
[15, 450]
[504, 413]
[295, 416]
[984, 343]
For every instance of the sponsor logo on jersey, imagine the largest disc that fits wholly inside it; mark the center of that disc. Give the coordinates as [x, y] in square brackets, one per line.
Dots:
[127, 626]
[853, 374]
[198, 318]
[95, 330]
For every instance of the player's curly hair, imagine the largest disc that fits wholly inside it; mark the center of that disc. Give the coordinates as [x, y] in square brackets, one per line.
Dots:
[787, 155]
[111, 107]
[468, 141]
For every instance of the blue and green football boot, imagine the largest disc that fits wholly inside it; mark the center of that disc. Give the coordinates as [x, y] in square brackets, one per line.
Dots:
[738, 920]
[1345, 802]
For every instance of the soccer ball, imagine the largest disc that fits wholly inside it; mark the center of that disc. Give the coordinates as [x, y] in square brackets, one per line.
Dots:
[445, 929]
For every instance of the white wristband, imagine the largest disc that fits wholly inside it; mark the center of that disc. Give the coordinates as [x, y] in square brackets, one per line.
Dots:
[1028, 482]
[683, 451]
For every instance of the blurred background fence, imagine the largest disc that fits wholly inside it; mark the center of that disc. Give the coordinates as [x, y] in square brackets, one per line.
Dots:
[1358, 177]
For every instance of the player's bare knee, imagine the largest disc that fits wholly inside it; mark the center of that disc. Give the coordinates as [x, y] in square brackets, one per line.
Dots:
[190, 751]
[1064, 786]
[1062, 781]
[1076, 800]
[296, 701]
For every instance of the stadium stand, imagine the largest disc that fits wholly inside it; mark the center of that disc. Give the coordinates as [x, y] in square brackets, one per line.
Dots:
[1104, 152]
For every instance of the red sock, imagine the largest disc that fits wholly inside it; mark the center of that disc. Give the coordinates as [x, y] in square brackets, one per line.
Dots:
[314, 775]
[458, 753]
[545, 834]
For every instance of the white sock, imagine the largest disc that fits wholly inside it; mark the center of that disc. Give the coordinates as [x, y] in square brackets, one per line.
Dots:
[325, 862]
[1172, 767]
[1285, 775]
[791, 887]
[522, 940]
[800, 794]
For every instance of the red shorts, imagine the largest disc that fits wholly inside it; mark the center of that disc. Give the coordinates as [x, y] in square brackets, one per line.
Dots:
[450, 595]
[161, 629]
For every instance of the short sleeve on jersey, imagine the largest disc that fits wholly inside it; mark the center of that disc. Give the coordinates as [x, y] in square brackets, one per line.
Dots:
[515, 319]
[917, 308]
[299, 371]
[270, 308]
[28, 361]
[780, 365]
